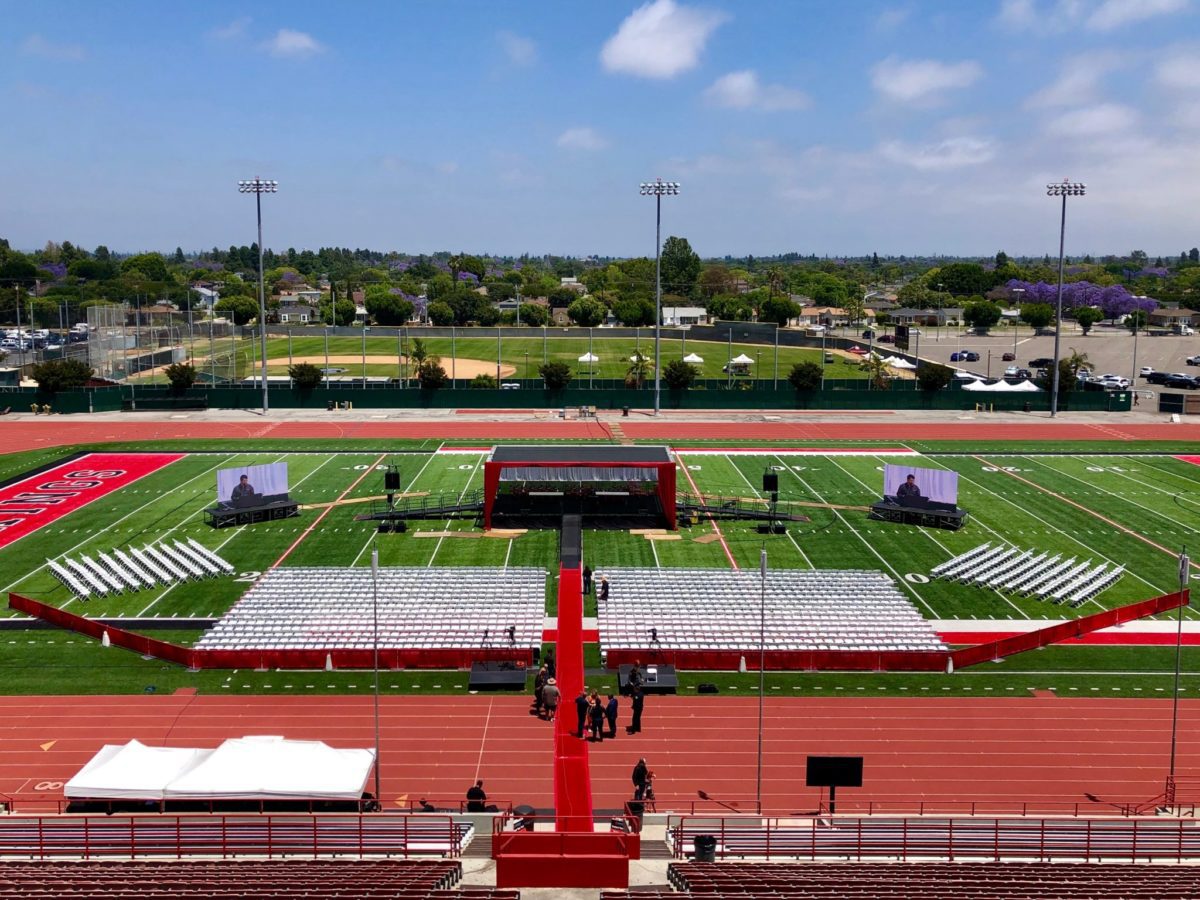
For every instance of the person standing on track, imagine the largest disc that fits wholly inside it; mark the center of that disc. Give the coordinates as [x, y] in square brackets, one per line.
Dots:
[610, 713]
[587, 580]
[636, 703]
[596, 716]
[641, 775]
[550, 698]
[581, 710]
[539, 687]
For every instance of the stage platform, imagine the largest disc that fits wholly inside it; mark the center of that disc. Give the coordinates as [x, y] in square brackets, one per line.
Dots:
[932, 515]
[222, 516]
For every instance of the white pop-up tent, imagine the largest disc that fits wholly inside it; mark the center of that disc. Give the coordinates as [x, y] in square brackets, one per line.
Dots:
[1003, 387]
[589, 358]
[693, 358]
[132, 771]
[742, 360]
[249, 768]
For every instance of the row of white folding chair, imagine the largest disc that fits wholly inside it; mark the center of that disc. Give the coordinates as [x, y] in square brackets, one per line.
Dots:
[957, 560]
[1089, 591]
[1027, 573]
[1082, 580]
[990, 564]
[212, 556]
[1035, 586]
[976, 562]
[1001, 571]
[1047, 590]
[69, 580]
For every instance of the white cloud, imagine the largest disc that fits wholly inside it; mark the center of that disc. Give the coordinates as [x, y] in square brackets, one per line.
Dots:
[742, 90]
[922, 80]
[1180, 71]
[233, 31]
[581, 138]
[521, 51]
[660, 40]
[1029, 15]
[1113, 14]
[1093, 121]
[892, 18]
[1078, 82]
[952, 153]
[446, 167]
[36, 45]
[293, 44]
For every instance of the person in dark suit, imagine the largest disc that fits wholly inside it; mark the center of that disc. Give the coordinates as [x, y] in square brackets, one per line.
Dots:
[581, 710]
[636, 704]
[610, 713]
[641, 775]
[603, 594]
[242, 489]
[476, 798]
[908, 490]
[587, 580]
[596, 716]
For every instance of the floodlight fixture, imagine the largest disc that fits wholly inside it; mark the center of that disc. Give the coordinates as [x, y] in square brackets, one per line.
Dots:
[1066, 188]
[258, 187]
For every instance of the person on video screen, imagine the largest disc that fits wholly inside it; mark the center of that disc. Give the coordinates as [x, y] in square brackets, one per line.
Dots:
[245, 489]
[908, 490]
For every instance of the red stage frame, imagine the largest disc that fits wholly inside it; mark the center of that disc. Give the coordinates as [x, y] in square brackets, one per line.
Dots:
[666, 481]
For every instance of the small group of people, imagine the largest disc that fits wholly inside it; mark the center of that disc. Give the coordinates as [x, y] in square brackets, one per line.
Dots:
[593, 712]
[546, 695]
[477, 799]
[589, 585]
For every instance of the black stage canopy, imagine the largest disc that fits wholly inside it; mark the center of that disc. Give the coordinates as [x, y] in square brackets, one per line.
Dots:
[619, 454]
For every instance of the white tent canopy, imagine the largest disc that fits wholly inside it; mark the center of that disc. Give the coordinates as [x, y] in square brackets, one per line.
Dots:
[693, 358]
[741, 360]
[132, 771]
[249, 768]
[589, 358]
[1003, 387]
[899, 362]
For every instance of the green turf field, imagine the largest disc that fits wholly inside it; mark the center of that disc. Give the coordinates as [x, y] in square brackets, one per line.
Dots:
[1119, 504]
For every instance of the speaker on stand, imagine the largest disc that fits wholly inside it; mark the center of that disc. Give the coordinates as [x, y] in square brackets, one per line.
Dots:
[391, 484]
[770, 485]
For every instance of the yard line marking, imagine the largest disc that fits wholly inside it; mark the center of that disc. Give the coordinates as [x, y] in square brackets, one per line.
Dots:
[1146, 460]
[156, 498]
[654, 550]
[317, 521]
[508, 553]
[483, 737]
[754, 490]
[942, 546]
[899, 579]
[1067, 535]
[420, 472]
[1090, 512]
[716, 527]
[466, 487]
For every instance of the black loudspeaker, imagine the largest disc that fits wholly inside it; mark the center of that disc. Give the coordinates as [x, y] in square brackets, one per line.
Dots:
[391, 480]
[706, 687]
[834, 771]
[770, 483]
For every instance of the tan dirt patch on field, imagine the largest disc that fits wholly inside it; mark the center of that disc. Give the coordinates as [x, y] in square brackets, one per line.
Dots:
[460, 368]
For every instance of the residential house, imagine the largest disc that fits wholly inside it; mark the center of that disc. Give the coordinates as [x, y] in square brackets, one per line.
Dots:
[929, 317]
[684, 315]
[300, 293]
[298, 314]
[829, 316]
[573, 284]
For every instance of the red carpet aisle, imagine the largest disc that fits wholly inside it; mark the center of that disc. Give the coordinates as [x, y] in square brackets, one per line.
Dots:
[572, 781]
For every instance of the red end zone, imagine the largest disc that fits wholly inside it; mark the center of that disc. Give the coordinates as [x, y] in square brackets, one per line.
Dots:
[38, 500]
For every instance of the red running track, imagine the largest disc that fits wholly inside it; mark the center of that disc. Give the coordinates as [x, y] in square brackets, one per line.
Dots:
[25, 434]
[933, 749]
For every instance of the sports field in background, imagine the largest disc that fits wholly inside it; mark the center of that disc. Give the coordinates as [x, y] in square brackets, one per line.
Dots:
[1097, 507]
[519, 357]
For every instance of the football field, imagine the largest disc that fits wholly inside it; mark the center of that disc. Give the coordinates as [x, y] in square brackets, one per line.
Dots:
[1130, 510]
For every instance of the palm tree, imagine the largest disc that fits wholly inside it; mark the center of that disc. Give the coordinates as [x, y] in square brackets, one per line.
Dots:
[1078, 361]
[877, 371]
[774, 280]
[639, 369]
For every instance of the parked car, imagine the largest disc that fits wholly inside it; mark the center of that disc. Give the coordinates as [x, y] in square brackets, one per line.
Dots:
[1180, 380]
[1146, 370]
[868, 335]
[1024, 375]
[964, 356]
[1009, 356]
[1193, 360]
[1156, 378]
[1042, 362]
[887, 339]
[1011, 372]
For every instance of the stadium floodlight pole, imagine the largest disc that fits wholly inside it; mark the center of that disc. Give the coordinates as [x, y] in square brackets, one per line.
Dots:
[658, 189]
[1066, 188]
[258, 187]
[762, 660]
[1137, 326]
[1185, 566]
[375, 643]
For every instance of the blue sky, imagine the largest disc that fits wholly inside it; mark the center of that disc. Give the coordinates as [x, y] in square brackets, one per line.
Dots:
[507, 127]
